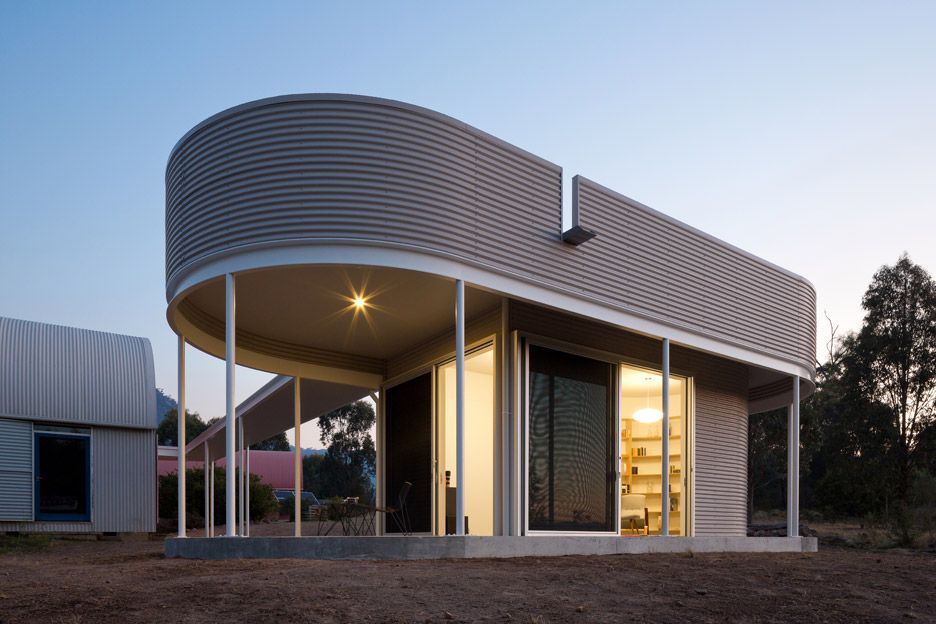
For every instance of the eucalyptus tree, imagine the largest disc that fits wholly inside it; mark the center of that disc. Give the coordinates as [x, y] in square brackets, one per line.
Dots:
[892, 360]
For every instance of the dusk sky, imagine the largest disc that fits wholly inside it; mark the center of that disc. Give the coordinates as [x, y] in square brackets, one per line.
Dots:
[804, 133]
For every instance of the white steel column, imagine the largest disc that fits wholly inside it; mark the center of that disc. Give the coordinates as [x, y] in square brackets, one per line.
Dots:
[297, 475]
[211, 526]
[664, 487]
[180, 436]
[460, 407]
[247, 493]
[207, 493]
[793, 463]
[379, 528]
[230, 508]
[241, 477]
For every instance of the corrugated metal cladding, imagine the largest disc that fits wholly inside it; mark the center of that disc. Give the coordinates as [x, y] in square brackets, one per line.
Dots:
[123, 485]
[363, 168]
[721, 387]
[69, 375]
[16, 470]
[657, 265]
[721, 444]
[124, 480]
[334, 167]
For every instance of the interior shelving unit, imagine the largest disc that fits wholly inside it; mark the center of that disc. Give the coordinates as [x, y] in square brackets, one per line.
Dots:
[641, 473]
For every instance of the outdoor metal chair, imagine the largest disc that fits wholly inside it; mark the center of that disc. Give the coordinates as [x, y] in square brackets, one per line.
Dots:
[398, 513]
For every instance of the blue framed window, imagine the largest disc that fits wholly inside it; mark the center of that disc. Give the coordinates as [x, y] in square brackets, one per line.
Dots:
[62, 476]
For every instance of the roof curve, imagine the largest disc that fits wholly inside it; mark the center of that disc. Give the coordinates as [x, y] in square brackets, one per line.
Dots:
[75, 376]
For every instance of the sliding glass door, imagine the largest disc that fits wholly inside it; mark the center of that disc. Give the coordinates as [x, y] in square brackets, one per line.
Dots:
[571, 471]
[408, 451]
[479, 445]
[642, 465]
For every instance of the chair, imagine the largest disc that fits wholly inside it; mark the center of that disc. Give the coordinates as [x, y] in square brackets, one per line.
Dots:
[634, 513]
[399, 512]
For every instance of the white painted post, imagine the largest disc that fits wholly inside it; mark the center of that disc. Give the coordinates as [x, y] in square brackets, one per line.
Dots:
[180, 436]
[459, 407]
[230, 504]
[664, 487]
[211, 511]
[247, 494]
[297, 473]
[793, 463]
[379, 528]
[207, 492]
[241, 476]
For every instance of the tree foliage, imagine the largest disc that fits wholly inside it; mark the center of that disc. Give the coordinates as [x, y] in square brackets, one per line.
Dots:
[275, 443]
[868, 437]
[262, 501]
[892, 360]
[349, 463]
[167, 432]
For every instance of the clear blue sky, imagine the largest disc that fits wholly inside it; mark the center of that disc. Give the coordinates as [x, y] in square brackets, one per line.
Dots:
[802, 132]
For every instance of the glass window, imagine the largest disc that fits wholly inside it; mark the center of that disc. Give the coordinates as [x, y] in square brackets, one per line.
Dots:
[642, 495]
[571, 476]
[63, 477]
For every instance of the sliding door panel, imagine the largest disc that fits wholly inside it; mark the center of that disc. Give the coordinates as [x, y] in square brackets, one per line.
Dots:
[571, 442]
[408, 451]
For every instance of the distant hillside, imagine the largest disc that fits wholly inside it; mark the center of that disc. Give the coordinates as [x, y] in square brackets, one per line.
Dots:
[164, 403]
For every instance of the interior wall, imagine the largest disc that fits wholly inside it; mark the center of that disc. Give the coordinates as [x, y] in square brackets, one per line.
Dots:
[479, 441]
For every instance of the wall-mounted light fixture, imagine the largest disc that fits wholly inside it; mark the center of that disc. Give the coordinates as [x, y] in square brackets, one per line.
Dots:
[576, 234]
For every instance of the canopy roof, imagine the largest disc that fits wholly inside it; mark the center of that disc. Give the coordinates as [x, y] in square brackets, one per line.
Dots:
[269, 411]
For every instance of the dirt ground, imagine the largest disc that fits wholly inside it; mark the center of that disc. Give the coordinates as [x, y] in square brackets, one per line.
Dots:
[131, 581]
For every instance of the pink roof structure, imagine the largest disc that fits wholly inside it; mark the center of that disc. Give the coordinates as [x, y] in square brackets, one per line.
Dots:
[275, 468]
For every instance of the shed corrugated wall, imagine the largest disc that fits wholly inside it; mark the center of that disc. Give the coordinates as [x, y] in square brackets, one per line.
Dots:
[123, 485]
[327, 168]
[70, 375]
[124, 499]
[721, 431]
[16, 470]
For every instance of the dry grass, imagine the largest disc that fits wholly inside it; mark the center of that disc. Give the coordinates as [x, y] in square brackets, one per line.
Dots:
[23, 543]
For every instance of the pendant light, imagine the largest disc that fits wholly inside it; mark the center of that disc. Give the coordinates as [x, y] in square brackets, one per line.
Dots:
[647, 415]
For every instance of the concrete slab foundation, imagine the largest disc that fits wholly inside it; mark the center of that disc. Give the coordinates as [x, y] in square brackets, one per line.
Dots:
[451, 547]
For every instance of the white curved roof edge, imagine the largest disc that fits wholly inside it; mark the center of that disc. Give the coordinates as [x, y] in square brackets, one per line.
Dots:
[362, 252]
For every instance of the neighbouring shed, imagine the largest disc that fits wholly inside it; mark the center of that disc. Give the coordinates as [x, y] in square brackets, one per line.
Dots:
[77, 430]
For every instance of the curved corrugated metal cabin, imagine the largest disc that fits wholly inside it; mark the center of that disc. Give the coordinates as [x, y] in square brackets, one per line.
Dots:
[77, 430]
[341, 226]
